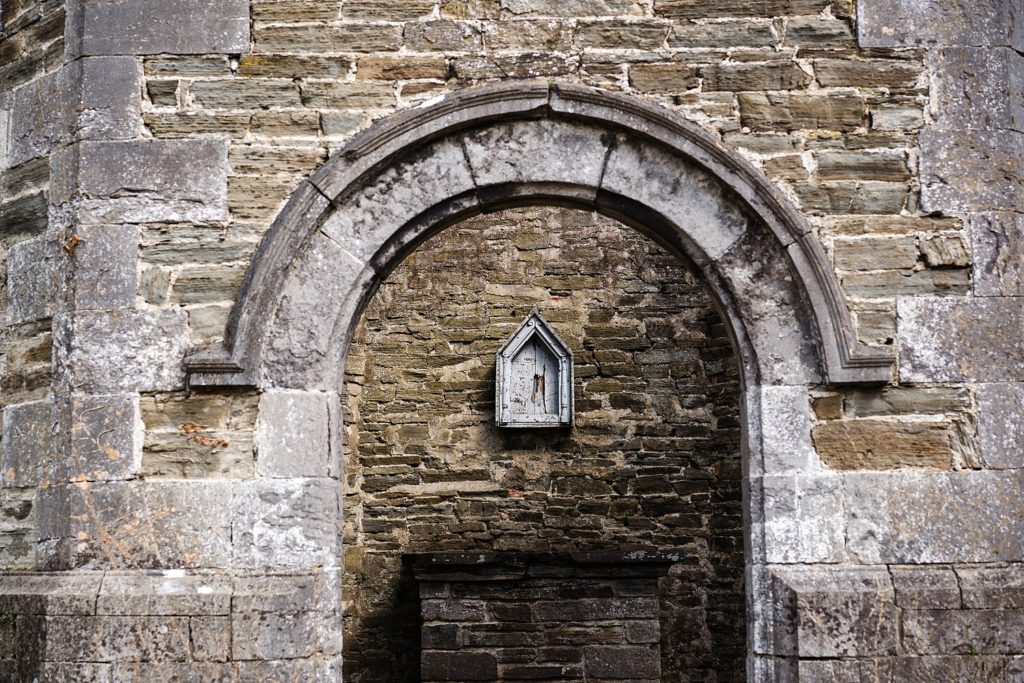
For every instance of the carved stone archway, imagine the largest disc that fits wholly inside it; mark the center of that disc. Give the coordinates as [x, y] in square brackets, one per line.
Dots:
[484, 149]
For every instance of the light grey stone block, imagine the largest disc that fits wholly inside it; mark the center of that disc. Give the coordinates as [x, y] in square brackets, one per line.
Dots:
[110, 639]
[957, 340]
[53, 594]
[286, 523]
[294, 435]
[163, 594]
[142, 27]
[30, 455]
[90, 99]
[978, 170]
[992, 587]
[35, 273]
[905, 518]
[964, 631]
[803, 518]
[969, 668]
[837, 612]
[977, 88]
[106, 438]
[786, 430]
[1001, 425]
[106, 261]
[147, 181]
[124, 350]
[905, 23]
[926, 588]
[997, 242]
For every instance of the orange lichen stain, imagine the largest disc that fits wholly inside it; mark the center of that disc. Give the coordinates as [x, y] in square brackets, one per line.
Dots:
[193, 432]
[111, 452]
[72, 244]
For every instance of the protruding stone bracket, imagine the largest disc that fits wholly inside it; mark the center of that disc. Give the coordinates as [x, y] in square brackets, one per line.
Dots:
[484, 149]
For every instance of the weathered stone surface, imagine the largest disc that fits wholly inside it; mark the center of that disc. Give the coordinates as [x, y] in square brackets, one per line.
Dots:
[992, 587]
[126, 525]
[907, 400]
[875, 444]
[875, 253]
[106, 260]
[331, 38]
[841, 612]
[210, 638]
[903, 23]
[945, 340]
[974, 171]
[50, 594]
[663, 78]
[955, 669]
[572, 8]
[124, 350]
[622, 662]
[875, 73]
[793, 111]
[109, 639]
[298, 435]
[817, 31]
[277, 617]
[926, 588]
[785, 424]
[884, 166]
[906, 518]
[95, 98]
[286, 523]
[778, 75]
[997, 243]
[443, 35]
[35, 275]
[747, 32]
[697, 9]
[461, 666]
[945, 251]
[1001, 425]
[140, 27]
[978, 88]
[163, 594]
[683, 193]
[151, 181]
[616, 33]
[965, 632]
[30, 455]
[803, 517]
[106, 442]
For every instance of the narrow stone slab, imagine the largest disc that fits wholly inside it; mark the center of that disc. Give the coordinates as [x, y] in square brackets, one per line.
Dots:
[960, 340]
[141, 27]
[167, 594]
[907, 518]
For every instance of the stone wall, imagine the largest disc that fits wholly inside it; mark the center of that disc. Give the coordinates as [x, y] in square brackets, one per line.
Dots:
[652, 461]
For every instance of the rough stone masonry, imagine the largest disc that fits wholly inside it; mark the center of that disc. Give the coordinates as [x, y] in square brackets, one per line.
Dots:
[171, 506]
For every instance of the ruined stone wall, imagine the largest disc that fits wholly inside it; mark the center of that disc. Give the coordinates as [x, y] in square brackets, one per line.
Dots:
[652, 461]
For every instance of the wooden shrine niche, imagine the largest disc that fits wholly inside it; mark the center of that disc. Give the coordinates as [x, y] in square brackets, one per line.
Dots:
[534, 373]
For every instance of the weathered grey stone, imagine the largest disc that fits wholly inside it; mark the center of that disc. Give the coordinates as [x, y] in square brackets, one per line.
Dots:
[106, 442]
[286, 523]
[926, 588]
[124, 350]
[30, 455]
[680, 191]
[997, 243]
[35, 275]
[79, 672]
[124, 525]
[49, 594]
[140, 27]
[169, 672]
[903, 23]
[124, 639]
[840, 612]
[877, 670]
[971, 171]
[384, 203]
[979, 88]
[287, 616]
[90, 99]
[1001, 425]
[318, 590]
[622, 662]
[152, 181]
[295, 436]
[949, 340]
[992, 587]
[785, 421]
[803, 518]
[968, 632]
[105, 265]
[906, 517]
[163, 594]
[967, 668]
[210, 638]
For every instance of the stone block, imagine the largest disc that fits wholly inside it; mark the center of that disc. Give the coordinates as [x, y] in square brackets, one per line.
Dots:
[274, 635]
[173, 672]
[63, 672]
[630, 663]
[296, 435]
[906, 518]
[979, 88]
[797, 111]
[126, 525]
[880, 444]
[698, 9]
[971, 668]
[926, 588]
[997, 244]
[30, 449]
[35, 276]
[803, 517]
[106, 260]
[117, 639]
[163, 594]
[836, 612]
[869, 73]
[992, 587]
[739, 77]
[785, 422]
[152, 181]
[322, 670]
[963, 171]
[124, 350]
[458, 666]
[90, 99]
[906, 23]
[140, 27]
[964, 632]
[24, 217]
[1001, 425]
[49, 594]
[950, 340]
[290, 523]
[878, 670]
[755, 32]
[106, 442]
[210, 638]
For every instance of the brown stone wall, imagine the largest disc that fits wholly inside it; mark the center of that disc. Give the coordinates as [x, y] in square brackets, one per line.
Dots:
[652, 461]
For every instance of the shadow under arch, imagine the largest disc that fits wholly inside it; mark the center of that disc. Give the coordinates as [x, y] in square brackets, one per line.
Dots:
[514, 144]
